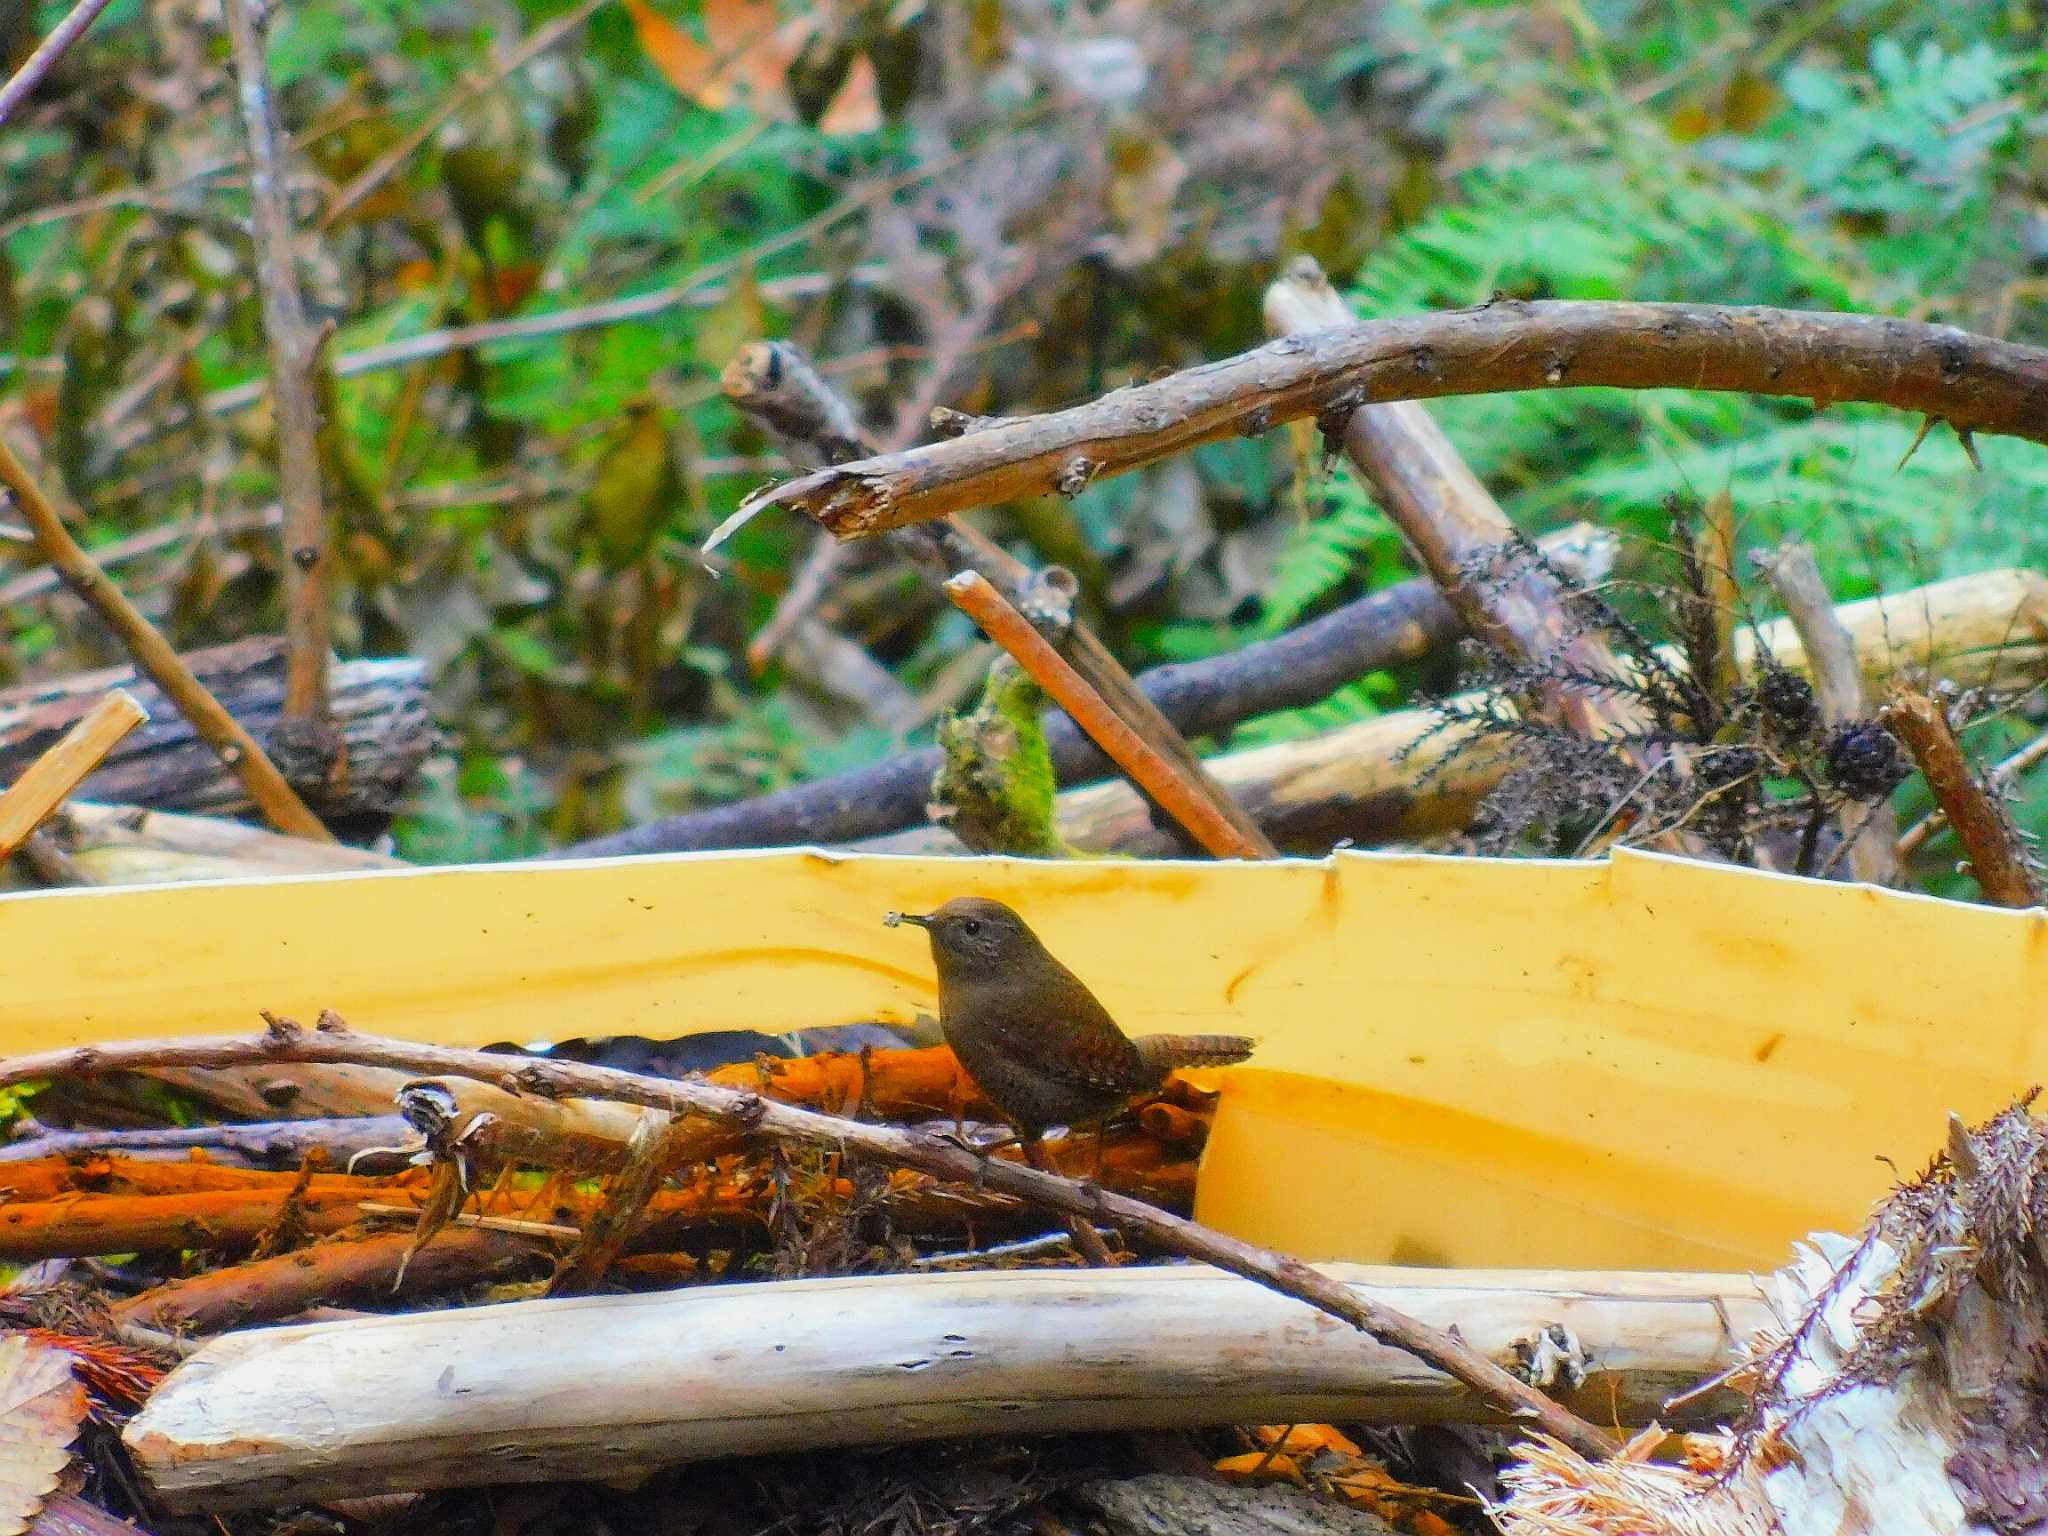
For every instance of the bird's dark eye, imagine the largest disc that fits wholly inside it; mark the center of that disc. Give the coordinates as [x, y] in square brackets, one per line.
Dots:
[971, 927]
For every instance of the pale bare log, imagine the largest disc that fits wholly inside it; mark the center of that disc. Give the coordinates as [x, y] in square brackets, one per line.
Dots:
[505, 1393]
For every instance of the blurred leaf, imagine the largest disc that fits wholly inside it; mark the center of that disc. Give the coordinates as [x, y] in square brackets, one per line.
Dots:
[750, 46]
[635, 490]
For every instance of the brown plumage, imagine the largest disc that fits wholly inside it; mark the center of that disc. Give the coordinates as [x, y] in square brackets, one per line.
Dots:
[1031, 1035]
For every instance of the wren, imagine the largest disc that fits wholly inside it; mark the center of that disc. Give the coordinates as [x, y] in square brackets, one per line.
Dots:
[1031, 1035]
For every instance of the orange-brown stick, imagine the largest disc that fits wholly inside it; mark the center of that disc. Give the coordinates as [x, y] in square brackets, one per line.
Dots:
[995, 613]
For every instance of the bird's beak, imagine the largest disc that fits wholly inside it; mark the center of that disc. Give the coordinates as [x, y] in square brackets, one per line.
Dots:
[917, 919]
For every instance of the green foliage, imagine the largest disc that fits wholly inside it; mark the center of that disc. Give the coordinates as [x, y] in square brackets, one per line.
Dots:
[1322, 554]
[14, 1102]
[1362, 700]
[995, 789]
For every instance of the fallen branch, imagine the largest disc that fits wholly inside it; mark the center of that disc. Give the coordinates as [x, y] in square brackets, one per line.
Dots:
[235, 747]
[1402, 776]
[50, 779]
[1459, 532]
[1151, 772]
[131, 845]
[261, 1417]
[306, 739]
[1973, 382]
[1998, 858]
[1201, 698]
[338, 1271]
[942, 1158]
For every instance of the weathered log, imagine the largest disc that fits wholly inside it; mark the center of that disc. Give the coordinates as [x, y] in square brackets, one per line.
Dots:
[379, 706]
[1201, 698]
[616, 1387]
[1401, 776]
[132, 845]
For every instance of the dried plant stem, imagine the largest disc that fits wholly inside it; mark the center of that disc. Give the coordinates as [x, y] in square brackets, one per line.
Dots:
[334, 1043]
[1086, 1239]
[278, 801]
[2028, 758]
[1152, 773]
[51, 778]
[1998, 859]
[294, 350]
[48, 52]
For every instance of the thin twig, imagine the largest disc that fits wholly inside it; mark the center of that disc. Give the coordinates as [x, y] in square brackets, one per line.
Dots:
[379, 170]
[308, 557]
[48, 52]
[333, 1043]
[32, 584]
[980, 601]
[1086, 1239]
[2029, 757]
[52, 777]
[278, 801]
[1998, 859]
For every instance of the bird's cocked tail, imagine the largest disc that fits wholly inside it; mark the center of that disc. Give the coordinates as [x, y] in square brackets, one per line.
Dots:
[1167, 1053]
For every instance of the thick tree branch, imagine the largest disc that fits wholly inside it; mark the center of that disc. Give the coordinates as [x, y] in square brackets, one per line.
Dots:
[1465, 541]
[1973, 382]
[935, 1155]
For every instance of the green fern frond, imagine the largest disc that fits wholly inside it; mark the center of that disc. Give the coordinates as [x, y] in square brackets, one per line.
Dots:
[1321, 555]
[1350, 704]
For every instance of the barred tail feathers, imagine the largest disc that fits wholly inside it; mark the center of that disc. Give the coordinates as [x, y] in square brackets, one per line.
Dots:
[1166, 1053]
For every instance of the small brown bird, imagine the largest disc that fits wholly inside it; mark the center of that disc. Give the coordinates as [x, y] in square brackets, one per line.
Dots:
[1031, 1035]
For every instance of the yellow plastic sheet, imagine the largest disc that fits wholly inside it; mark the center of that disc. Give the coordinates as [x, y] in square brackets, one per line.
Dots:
[1642, 1062]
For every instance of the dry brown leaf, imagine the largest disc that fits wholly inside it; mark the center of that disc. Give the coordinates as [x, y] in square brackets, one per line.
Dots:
[41, 1406]
[747, 46]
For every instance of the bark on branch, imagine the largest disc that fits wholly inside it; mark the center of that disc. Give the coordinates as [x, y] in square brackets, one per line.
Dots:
[935, 1155]
[1973, 382]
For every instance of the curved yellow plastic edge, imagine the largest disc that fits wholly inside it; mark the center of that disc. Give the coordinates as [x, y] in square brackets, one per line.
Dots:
[1643, 1062]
